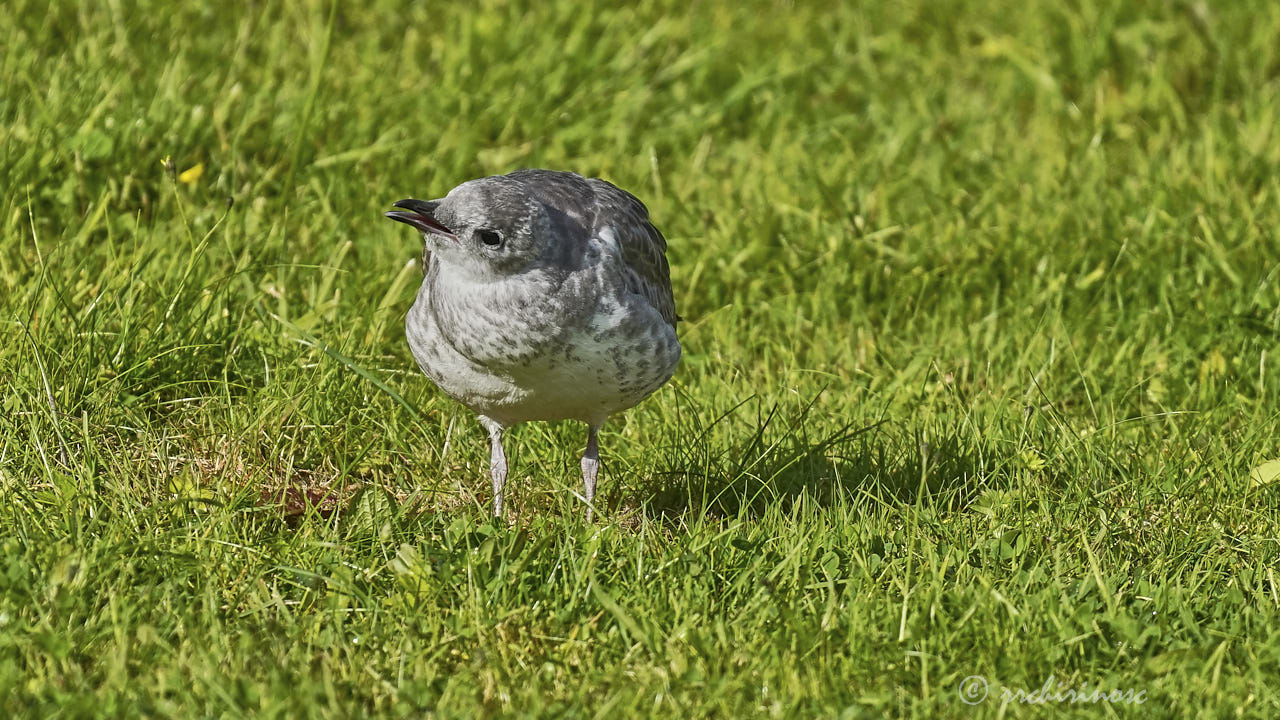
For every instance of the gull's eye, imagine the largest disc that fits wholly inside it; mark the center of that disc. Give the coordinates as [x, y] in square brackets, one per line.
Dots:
[489, 237]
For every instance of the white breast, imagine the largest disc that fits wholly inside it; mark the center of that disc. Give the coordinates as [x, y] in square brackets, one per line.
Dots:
[608, 364]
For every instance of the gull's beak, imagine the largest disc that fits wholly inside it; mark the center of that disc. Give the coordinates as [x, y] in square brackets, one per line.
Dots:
[421, 215]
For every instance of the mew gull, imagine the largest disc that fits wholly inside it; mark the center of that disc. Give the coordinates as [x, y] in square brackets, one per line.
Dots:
[546, 296]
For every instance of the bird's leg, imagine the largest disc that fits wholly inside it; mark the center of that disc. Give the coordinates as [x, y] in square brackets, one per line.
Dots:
[590, 468]
[497, 463]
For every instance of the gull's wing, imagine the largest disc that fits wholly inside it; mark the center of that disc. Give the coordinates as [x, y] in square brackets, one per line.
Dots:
[599, 205]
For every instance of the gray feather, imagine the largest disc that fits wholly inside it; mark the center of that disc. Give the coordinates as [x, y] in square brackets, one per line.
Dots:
[597, 204]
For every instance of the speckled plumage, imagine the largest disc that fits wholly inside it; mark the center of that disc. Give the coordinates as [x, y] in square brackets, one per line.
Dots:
[546, 296]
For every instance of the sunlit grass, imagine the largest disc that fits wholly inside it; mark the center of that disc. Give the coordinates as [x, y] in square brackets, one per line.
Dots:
[981, 316]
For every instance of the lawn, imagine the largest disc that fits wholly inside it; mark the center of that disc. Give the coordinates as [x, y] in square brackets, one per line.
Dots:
[981, 317]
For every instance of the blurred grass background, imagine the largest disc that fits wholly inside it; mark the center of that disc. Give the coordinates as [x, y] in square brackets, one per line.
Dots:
[981, 308]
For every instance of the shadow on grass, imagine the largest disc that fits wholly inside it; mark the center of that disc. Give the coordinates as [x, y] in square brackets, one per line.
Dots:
[741, 466]
[781, 462]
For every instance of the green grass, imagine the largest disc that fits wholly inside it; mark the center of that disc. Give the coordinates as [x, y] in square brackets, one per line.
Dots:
[982, 320]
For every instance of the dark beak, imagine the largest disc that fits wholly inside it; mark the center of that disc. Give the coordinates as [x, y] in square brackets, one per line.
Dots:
[421, 215]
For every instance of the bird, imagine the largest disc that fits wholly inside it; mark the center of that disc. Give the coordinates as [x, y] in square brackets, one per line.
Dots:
[546, 295]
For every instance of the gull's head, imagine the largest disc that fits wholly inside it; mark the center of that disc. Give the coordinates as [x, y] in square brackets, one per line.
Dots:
[485, 228]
